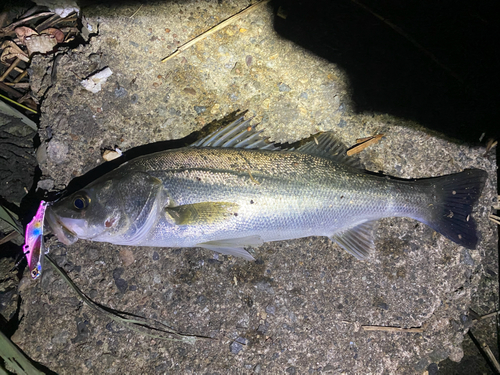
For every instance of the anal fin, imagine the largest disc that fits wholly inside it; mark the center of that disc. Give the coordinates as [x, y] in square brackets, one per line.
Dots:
[357, 240]
[233, 246]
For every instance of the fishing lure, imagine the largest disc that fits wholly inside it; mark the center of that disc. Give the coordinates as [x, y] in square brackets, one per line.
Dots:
[34, 248]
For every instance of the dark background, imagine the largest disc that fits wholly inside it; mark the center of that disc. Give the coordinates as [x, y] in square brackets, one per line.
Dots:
[456, 93]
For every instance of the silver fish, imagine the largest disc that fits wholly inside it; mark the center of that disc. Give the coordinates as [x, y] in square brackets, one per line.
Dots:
[233, 190]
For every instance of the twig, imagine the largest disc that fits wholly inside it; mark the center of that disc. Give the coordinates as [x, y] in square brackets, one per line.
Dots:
[215, 29]
[495, 313]
[9, 237]
[23, 85]
[51, 21]
[486, 353]
[411, 40]
[491, 143]
[392, 329]
[494, 218]
[363, 143]
[10, 68]
[137, 11]
[491, 356]
[20, 77]
[16, 103]
[14, 93]
[12, 26]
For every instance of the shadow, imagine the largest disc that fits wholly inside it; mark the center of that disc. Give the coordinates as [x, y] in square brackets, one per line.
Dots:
[439, 69]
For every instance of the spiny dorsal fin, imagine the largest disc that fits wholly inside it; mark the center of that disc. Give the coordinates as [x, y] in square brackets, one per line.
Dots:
[238, 134]
[327, 146]
[357, 240]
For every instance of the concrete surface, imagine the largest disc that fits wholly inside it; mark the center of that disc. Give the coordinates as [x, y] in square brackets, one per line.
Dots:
[300, 307]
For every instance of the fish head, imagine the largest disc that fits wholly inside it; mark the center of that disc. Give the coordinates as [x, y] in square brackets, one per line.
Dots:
[115, 209]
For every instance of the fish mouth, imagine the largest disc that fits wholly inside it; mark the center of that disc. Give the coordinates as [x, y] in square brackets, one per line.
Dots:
[56, 224]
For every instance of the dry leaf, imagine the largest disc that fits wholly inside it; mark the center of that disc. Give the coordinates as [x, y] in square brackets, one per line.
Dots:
[23, 32]
[10, 51]
[56, 33]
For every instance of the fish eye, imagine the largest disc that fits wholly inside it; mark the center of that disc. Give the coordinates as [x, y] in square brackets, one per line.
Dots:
[80, 202]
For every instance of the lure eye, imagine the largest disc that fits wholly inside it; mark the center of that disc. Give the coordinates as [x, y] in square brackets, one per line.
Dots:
[35, 273]
[81, 202]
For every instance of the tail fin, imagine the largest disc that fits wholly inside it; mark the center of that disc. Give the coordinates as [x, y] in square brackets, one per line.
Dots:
[455, 196]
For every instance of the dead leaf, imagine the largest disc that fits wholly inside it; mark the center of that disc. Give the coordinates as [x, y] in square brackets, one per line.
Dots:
[56, 33]
[11, 51]
[23, 32]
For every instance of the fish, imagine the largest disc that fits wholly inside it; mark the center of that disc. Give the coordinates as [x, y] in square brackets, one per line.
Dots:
[233, 190]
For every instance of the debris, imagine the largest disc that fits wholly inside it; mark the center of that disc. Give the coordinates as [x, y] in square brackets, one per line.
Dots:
[282, 13]
[494, 218]
[94, 82]
[109, 155]
[8, 110]
[214, 29]
[491, 144]
[63, 8]
[392, 329]
[43, 43]
[11, 51]
[363, 143]
[12, 235]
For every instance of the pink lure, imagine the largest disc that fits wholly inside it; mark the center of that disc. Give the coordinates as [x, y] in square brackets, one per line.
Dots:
[33, 242]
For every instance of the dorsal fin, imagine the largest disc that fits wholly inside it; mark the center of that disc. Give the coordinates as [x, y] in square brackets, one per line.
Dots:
[238, 134]
[327, 146]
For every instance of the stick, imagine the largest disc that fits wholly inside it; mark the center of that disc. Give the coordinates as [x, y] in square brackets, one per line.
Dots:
[363, 143]
[9, 237]
[19, 104]
[9, 69]
[12, 26]
[15, 94]
[214, 29]
[494, 218]
[392, 329]
[137, 11]
[495, 313]
[21, 76]
[492, 358]
[485, 352]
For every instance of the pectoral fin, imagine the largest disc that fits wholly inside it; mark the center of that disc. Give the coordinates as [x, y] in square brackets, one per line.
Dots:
[357, 240]
[234, 246]
[202, 213]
